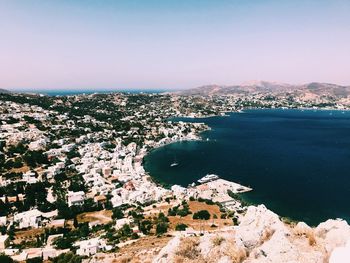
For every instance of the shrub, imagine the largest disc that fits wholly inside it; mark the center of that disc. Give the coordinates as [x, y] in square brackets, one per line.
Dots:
[202, 214]
[134, 236]
[146, 226]
[217, 240]
[67, 258]
[117, 213]
[311, 237]
[161, 228]
[34, 260]
[188, 250]
[5, 259]
[181, 227]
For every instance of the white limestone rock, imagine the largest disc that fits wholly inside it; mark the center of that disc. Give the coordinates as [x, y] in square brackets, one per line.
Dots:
[341, 254]
[302, 229]
[166, 255]
[335, 233]
[258, 224]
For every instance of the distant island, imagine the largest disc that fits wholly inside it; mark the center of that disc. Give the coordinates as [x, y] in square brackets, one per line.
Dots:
[305, 91]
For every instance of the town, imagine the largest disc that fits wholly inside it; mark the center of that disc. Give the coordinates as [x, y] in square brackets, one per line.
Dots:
[72, 181]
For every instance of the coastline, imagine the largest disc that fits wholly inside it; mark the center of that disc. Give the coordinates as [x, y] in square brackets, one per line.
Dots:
[214, 184]
[287, 217]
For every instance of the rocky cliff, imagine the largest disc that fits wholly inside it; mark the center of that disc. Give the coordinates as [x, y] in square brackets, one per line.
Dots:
[262, 237]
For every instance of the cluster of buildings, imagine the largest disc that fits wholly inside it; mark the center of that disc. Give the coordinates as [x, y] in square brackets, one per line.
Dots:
[108, 161]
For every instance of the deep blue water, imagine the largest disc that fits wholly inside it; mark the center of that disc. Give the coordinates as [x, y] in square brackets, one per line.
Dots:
[297, 162]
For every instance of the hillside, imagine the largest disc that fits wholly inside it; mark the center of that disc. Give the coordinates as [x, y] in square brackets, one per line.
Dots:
[261, 236]
[309, 89]
[4, 91]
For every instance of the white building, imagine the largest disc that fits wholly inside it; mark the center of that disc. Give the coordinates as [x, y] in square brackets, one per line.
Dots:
[91, 246]
[3, 220]
[3, 241]
[37, 145]
[75, 198]
[29, 177]
[30, 218]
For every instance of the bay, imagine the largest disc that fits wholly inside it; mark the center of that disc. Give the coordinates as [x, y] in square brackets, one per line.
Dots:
[296, 161]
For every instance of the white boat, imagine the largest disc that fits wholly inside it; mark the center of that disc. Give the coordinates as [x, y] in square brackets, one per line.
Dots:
[208, 178]
[174, 164]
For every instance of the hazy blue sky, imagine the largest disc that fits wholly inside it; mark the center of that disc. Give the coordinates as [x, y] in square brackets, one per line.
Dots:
[171, 44]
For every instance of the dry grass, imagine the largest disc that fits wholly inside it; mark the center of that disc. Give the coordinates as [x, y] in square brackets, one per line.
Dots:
[217, 240]
[135, 252]
[22, 169]
[267, 235]
[103, 216]
[236, 254]
[188, 251]
[27, 235]
[196, 206]
[310, 235]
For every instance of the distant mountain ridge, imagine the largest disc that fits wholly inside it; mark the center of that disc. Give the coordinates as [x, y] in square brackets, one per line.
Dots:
[313, 88]
[4, 91]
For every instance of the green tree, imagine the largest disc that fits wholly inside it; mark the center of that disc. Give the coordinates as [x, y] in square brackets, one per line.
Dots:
[146, 226]
[67, 258]
[202, 214]
[161, 228]
[35, 194]
[181, 227]
[75, 222]
[34, 260]
[117, 213]
[5, 259]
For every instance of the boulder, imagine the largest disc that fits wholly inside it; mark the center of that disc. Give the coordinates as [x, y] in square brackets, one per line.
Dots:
[334, 233]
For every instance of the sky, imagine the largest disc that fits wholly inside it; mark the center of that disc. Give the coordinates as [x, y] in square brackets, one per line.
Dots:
[165, 44]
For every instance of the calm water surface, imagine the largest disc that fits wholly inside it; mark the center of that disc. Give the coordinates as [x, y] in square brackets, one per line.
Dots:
[297, 162]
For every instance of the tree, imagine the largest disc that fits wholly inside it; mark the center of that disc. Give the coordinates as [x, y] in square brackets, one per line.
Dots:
[146, 226]
[67, 258]
[117, 213]
[161, 228]
[35, 158]
[4, 209]
[75, 222]
[181, 227]
[5, 259]
[34, 260]
[202, 214]
[63, 242]
[35, 194]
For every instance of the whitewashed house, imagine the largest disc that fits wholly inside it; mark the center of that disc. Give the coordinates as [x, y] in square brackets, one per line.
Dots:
[31, 218]
[91, 246]
[3, 220]
[3, 241]
[75, 198]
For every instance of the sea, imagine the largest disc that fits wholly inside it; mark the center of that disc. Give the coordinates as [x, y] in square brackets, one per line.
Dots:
[296, 161]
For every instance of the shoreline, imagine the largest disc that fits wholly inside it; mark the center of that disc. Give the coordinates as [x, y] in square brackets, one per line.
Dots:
[158, 181]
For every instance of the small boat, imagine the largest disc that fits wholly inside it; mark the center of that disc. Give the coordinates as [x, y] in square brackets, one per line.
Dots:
[208, 178]
[174, 164]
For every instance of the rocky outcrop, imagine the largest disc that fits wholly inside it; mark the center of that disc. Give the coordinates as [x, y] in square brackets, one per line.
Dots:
[341, 254]
[263, 237]
[168, 252]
